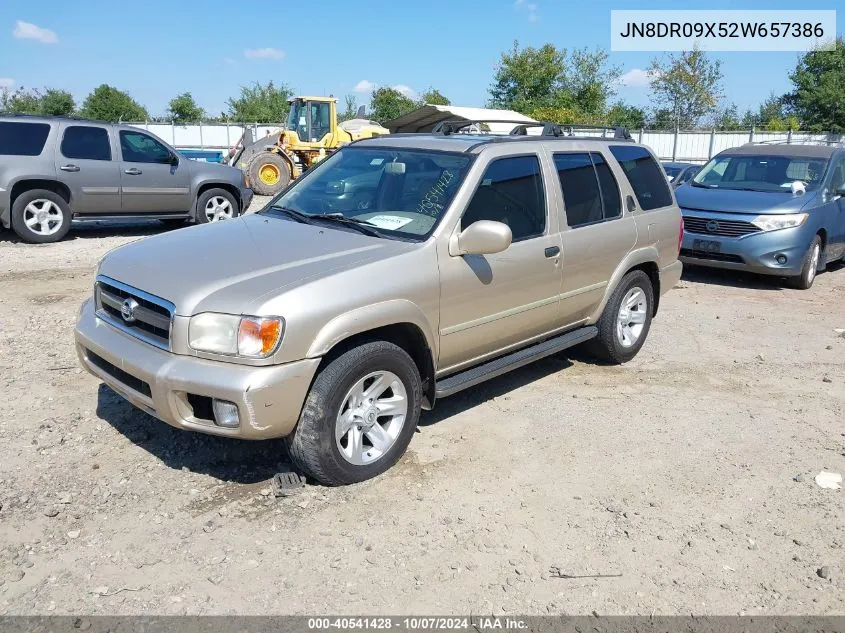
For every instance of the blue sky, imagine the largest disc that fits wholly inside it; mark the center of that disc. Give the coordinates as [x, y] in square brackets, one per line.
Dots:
[155, 50]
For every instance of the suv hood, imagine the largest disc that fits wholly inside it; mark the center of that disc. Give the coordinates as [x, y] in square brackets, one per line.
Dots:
[732, 201]
[227, 266]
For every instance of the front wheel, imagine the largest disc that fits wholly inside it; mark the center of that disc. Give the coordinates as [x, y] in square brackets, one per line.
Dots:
[216, 205]
[626, 320]
[359, 416]
[811, 266]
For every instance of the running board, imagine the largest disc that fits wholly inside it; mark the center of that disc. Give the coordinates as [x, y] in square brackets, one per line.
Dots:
[503, 364]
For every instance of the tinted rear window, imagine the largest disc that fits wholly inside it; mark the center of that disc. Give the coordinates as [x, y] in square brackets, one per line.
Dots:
[647, 178]
[22, 139]
[84, 141]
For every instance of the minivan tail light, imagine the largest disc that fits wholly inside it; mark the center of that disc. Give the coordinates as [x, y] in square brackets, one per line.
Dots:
[681, 234]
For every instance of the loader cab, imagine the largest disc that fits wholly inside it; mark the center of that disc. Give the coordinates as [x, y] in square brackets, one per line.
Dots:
[311, 118]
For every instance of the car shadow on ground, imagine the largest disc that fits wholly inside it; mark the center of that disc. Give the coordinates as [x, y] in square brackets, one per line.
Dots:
[100, 229]
[249, 462]
[741, 279]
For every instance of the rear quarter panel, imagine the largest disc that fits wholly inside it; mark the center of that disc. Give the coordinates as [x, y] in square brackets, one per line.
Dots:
[14, 169]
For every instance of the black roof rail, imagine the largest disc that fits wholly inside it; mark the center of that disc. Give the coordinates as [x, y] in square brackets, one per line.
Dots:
[521, 128]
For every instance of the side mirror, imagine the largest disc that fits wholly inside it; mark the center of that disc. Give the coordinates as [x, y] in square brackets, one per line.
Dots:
[172, 159]
[839, 193]
[484, 237]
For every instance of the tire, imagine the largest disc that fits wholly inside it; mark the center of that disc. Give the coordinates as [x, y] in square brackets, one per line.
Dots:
[268, 174]
[53, 211]
[805, 280]
[317, 444]
[616, 343]
[216, 205]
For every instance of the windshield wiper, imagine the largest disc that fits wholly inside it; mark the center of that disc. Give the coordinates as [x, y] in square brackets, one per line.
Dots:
[293, 214]
[361, 225]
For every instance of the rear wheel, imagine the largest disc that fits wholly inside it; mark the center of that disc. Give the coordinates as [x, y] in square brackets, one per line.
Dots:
[216, 205]
[40, 216]
[811, 266]
[268, 174]
[359, 416]
[626, 320]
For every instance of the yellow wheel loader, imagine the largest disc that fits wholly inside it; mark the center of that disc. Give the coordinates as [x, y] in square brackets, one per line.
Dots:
[310, 134]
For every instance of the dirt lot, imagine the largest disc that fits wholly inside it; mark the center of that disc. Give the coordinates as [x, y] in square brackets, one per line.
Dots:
[685, 476]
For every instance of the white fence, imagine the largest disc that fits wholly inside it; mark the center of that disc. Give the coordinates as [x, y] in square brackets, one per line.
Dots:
[686, 146]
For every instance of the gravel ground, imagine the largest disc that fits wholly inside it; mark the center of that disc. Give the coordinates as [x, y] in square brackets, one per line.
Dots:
[685, 478]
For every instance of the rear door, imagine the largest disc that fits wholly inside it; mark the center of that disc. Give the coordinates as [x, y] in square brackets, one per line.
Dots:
[85, 162]
[596, 234]
[149, 182]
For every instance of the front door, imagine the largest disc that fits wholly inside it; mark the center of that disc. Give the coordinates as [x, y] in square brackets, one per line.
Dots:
[836, 241]
[149, 182]
[491, 302]
[86, 163]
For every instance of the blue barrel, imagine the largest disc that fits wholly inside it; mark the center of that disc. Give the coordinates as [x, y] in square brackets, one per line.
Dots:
[203, 155]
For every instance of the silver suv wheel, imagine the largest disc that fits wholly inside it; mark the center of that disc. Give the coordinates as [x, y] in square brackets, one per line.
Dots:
[630, 320]
[218, 208]
[371, 417]
[43, 217]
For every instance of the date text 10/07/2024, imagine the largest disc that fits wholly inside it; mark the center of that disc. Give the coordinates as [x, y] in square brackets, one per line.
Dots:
[490, 623]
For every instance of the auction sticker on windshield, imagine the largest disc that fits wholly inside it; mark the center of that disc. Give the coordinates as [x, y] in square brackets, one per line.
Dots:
[389, 222]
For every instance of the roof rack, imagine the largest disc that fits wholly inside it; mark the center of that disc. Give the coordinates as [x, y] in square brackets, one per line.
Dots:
[521, 128]
[800, 141]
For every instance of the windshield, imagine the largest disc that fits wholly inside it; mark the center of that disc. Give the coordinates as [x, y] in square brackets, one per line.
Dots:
[402, 193]
[761, 173]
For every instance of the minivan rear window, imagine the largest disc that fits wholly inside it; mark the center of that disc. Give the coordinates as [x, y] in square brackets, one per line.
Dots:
[22, 138]
[647, 178]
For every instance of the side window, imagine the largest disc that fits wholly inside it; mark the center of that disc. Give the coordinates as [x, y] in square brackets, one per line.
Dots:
[86, 142]
[511, 191]
[140, 148]
[590, 192]
[644, 174]
[610, 196]
[23, 139]
[581, 195]
[837, 181]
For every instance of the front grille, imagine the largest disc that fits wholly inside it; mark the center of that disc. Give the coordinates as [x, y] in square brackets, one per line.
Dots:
[151, 317]
[716, 257]
[136, 384]
[722, 228]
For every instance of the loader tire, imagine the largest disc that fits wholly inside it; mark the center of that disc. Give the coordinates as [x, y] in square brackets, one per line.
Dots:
[268, 174]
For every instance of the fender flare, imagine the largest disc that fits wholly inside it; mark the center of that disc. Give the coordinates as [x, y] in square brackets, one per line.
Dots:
[646, 255]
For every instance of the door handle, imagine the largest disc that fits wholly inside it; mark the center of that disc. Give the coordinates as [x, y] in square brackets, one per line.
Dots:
[133, 171]
[553, 251]
[69, 168]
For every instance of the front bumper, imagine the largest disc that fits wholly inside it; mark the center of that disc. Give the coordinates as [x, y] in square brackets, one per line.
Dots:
[269, 398]
[757, 252]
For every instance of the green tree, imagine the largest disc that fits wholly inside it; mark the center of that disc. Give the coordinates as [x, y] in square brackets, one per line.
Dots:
[531, 79]
[388, 103]
[625, 115]
[183, 109]
[350, 109]
[259, 103]
[688, 85]
[57, 102]
[107, 103]
[661, 119]
[433, 96]
[728, 118]
[818, 95]
[20, 101]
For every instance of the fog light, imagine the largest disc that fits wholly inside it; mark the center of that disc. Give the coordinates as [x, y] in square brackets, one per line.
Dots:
[781, 259]
[225, 413]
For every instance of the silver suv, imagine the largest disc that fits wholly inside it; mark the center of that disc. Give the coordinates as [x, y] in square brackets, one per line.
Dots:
[400, 270]
[53, 170]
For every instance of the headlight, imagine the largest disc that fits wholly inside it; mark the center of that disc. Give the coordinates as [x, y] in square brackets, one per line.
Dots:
[252, 337]
[775, 222]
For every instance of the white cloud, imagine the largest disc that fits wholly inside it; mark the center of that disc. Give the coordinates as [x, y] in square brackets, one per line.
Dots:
[365, 85]
[530, 9]
[405, 90]
[264, 53]
[28, 31]
[636, 78]
[5, 82]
